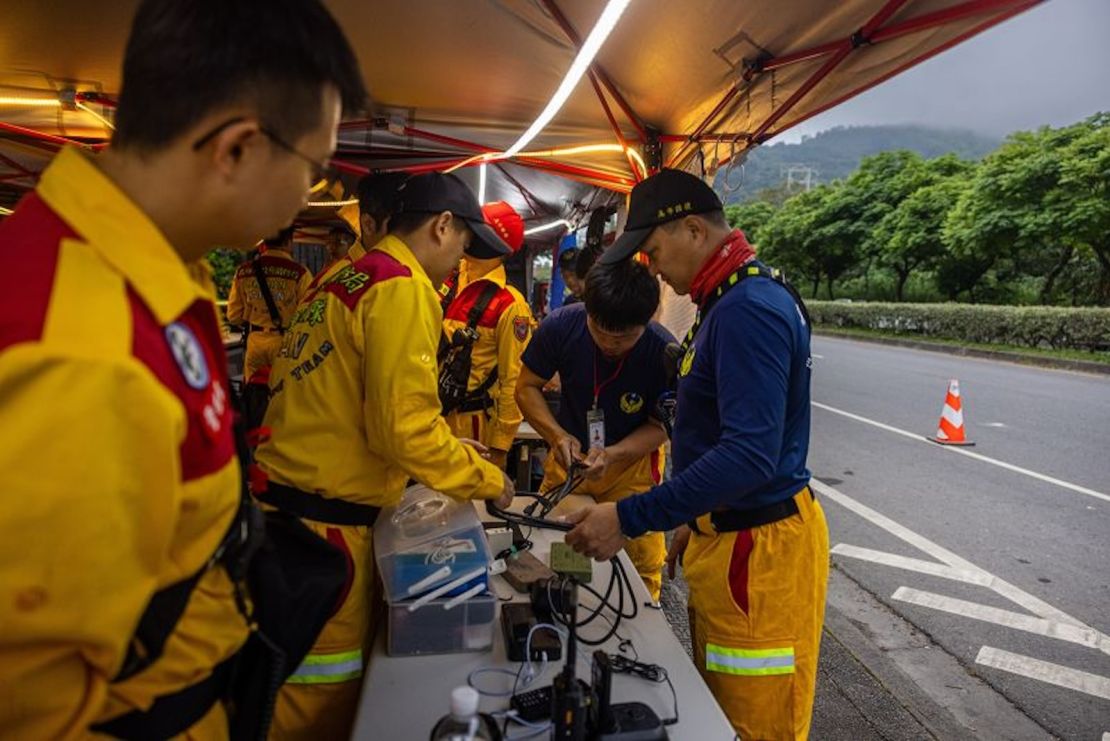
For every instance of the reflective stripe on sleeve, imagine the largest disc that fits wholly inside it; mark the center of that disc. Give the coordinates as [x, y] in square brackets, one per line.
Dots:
[328, 668]
[750, 662]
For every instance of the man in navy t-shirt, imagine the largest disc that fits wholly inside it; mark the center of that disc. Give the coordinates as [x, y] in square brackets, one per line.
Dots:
[609, 357]
[756, 550]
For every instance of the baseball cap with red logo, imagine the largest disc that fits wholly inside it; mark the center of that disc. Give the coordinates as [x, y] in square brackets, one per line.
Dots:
[506, 224]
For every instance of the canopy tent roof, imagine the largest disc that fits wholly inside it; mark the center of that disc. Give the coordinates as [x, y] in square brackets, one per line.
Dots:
[691, 84]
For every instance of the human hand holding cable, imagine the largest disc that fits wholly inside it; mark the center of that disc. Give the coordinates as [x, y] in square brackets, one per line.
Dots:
[597, 531]
[596, 463]
[567, 450]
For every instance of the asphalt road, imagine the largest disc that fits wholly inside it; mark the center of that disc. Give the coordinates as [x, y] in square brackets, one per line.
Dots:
[1007, 567]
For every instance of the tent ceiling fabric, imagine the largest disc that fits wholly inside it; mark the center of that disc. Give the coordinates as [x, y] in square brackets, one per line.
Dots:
[482, 70]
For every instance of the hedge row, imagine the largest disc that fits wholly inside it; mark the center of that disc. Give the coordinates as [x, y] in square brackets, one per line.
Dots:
[1053, 327]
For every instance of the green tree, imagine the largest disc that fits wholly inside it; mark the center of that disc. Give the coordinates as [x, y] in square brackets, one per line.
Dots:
[224, 263]
[910, 236]
[750, 217]
[1034, 206]
[789, 239]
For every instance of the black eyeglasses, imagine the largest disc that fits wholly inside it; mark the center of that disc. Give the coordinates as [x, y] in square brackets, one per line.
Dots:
[323, 174]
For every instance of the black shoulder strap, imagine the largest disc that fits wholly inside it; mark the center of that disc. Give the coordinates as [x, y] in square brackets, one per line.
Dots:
[748, 271]
[264, 287]
[489, 292]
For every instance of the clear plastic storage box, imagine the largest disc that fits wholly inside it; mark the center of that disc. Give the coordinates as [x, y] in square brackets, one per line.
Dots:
[427, 542]
[431, 629]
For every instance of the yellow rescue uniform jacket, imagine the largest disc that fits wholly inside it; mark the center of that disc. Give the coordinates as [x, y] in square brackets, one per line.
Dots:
[288, 280]
[503, 332]
[117, 459]
[355, 407]
[356, 252]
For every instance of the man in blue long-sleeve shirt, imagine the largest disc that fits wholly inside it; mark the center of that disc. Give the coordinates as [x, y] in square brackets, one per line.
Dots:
[757, 559]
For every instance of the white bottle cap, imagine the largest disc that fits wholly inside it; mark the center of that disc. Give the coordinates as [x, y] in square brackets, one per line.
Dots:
[464, 702]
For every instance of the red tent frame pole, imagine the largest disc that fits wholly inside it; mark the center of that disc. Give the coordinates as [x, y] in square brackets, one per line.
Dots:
[995, 20]
[616, 128]
[870, 33]
[350, 168]
[533, 203]
[575, 39]
[61, 141]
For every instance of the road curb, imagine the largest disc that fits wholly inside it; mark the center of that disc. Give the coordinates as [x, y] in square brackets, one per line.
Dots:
[1083, 366]
[932, 685]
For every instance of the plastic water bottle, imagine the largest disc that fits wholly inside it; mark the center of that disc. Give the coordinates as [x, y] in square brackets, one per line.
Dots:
[464, 722]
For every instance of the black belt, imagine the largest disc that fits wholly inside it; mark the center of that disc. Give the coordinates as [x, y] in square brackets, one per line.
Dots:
[171, 715]
[734, 520]
[315, 507]
[479, 404]
[260, 328]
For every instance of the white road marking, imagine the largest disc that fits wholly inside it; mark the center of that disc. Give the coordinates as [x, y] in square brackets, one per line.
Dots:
[992, 424]
[912, 564]
[815, 355]
[969, 454]
[1049, 628]
[1045, 671]
[1011, 592]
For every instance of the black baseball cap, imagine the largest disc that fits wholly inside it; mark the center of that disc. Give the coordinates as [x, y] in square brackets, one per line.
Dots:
[665, 196]
[436, 192]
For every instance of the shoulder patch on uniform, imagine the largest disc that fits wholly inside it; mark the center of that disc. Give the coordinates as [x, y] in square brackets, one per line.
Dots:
[521, 325]
[188, 354]
[350, 283]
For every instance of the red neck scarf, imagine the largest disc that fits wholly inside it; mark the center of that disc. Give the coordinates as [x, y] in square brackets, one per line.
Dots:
[732, 254]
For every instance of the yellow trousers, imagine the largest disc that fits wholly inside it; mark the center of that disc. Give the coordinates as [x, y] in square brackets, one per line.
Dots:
[757, 604]
[648, 552]
[471, 425]
[320, 699]
[262, 350]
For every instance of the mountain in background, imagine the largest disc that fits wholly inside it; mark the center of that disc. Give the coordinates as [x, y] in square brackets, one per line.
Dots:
[834, 154]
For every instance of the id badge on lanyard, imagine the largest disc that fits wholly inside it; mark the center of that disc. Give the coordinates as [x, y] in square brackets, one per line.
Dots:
[595, 418]
[595, 423]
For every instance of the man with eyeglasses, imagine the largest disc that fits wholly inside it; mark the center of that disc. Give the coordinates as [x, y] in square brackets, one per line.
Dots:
[265, 310]
[118, 461]
[355, 415]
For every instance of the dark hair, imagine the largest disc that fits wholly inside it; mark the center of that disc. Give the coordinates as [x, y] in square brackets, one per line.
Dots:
[621, 296]
[281, 239]
[587, 256]
[377, 194]
[185, 60]
[568, 260]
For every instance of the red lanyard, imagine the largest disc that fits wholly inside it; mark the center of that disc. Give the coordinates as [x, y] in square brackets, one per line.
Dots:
[599, 387]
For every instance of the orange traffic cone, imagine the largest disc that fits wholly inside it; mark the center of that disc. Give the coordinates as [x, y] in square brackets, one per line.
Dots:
[950, 431]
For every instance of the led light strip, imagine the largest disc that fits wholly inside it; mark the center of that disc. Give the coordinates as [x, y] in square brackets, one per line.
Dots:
[601, 30]
[545, 227]
[30, 102]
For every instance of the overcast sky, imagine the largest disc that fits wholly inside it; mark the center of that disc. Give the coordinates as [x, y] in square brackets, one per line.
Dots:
[1049, 65]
